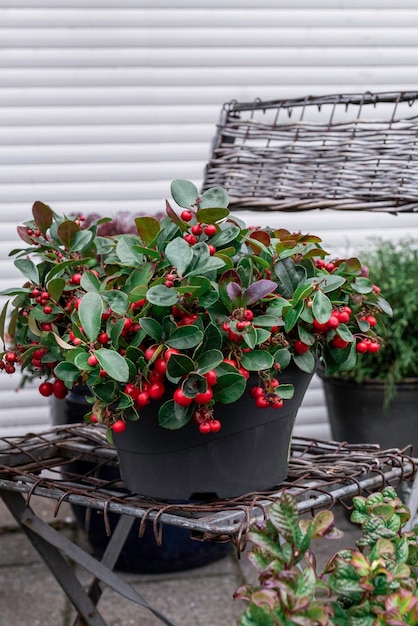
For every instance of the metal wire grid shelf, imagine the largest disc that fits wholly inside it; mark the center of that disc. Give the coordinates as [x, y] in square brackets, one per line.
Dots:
[346, 151]
[321, 473]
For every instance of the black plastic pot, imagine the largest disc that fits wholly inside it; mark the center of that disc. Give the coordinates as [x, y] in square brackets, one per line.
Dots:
[249, 453]
[142, 555]
[356, 414]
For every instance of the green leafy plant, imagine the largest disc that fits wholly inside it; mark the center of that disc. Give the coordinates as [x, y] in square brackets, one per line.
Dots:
[393, 266]
[180, 311]
[371, 584]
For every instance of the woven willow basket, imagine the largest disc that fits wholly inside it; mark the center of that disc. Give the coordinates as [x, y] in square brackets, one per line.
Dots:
[353, 151]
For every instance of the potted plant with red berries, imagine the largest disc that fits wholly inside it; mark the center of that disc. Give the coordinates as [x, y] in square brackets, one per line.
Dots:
[197, 337]
[375, 401]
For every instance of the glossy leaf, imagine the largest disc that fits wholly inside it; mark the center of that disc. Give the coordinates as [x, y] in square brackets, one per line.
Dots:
[321, 307]
[229, 388]
[214, 197]
[113, 364]
[184, 193]
[152, 327]
[66, 232]
[179, 364]
[257, 360]
[185, 337]
[162, 295]
[209, 360]
[173, 416]
[180, 254]
[28, 269]
[90, 312]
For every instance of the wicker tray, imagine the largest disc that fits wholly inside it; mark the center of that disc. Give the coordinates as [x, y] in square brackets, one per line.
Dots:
[352, 151]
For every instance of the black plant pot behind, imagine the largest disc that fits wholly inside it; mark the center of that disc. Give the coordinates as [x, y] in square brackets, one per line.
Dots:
[142, 555]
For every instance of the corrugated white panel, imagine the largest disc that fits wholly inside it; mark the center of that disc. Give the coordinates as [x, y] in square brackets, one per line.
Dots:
[104, 102]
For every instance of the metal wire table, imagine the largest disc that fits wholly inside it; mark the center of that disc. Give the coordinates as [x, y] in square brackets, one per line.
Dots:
[321, 473]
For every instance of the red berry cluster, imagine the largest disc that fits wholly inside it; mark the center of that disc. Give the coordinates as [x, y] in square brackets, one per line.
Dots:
[267, 396]
[8, 362]
[199, 231]
[203, 414]
[56, 388]
[241, 319]
[368, 345]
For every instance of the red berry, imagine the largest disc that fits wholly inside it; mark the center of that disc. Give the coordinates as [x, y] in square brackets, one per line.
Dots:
[59, 389]
[276, 402]
[204, 397]
[231, 362]
[204, 428]
[343, 317]
[47, 309]
[215, 426]
[186, 216]
[255, 392]
[244, 372]
[149, 353]
[76, 279]
[212, 249]
[300, 347]
[160, 365]
[11, 357]
[92, 360]
[142, 399]
[319, 326]
[46, 389]
[248, 314]
[168, 353]
[261, 402]
[337, 342]
[180, 398]
[333, 322]
[156, 391]
[103, 338]
[197, 229]
[131, 390]
[118, 426]
[361, 347]
[211, 378]
[373, 347]
[93, 418]
[372, 320]
[210, 230]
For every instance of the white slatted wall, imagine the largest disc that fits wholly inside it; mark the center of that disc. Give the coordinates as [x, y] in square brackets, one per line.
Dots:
[104, 102]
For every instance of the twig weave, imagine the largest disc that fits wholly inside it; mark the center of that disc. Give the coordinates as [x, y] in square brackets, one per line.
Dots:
[347, 151]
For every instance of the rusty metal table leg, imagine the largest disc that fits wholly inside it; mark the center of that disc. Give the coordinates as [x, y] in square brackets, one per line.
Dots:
[53, 546]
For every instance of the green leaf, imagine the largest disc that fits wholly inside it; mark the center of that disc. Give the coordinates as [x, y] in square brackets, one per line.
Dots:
[90, 313]
[267, 320]
[180, 254]
[257, 360]
[90, 282]
[306, 362]
[213, 197]
[330, 282]
[178, 365]
[321, 307]
[55, 288]
[229, 388]
[289, 277]
[362, 285]
[212, 339]
[152, 328]
[161, 295]
[292, 315]
[67, 372]
[147, 227]
[173, 416]
[225, 236]
[208, 361]
[28, 269]
[251, 337]
[82, 239]
[125, 250]
[211, 215]
[113, 363]
[286, 391]
[184, 193]
[43, 216]
[117, 300]
[282, 356]
[185, 337]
